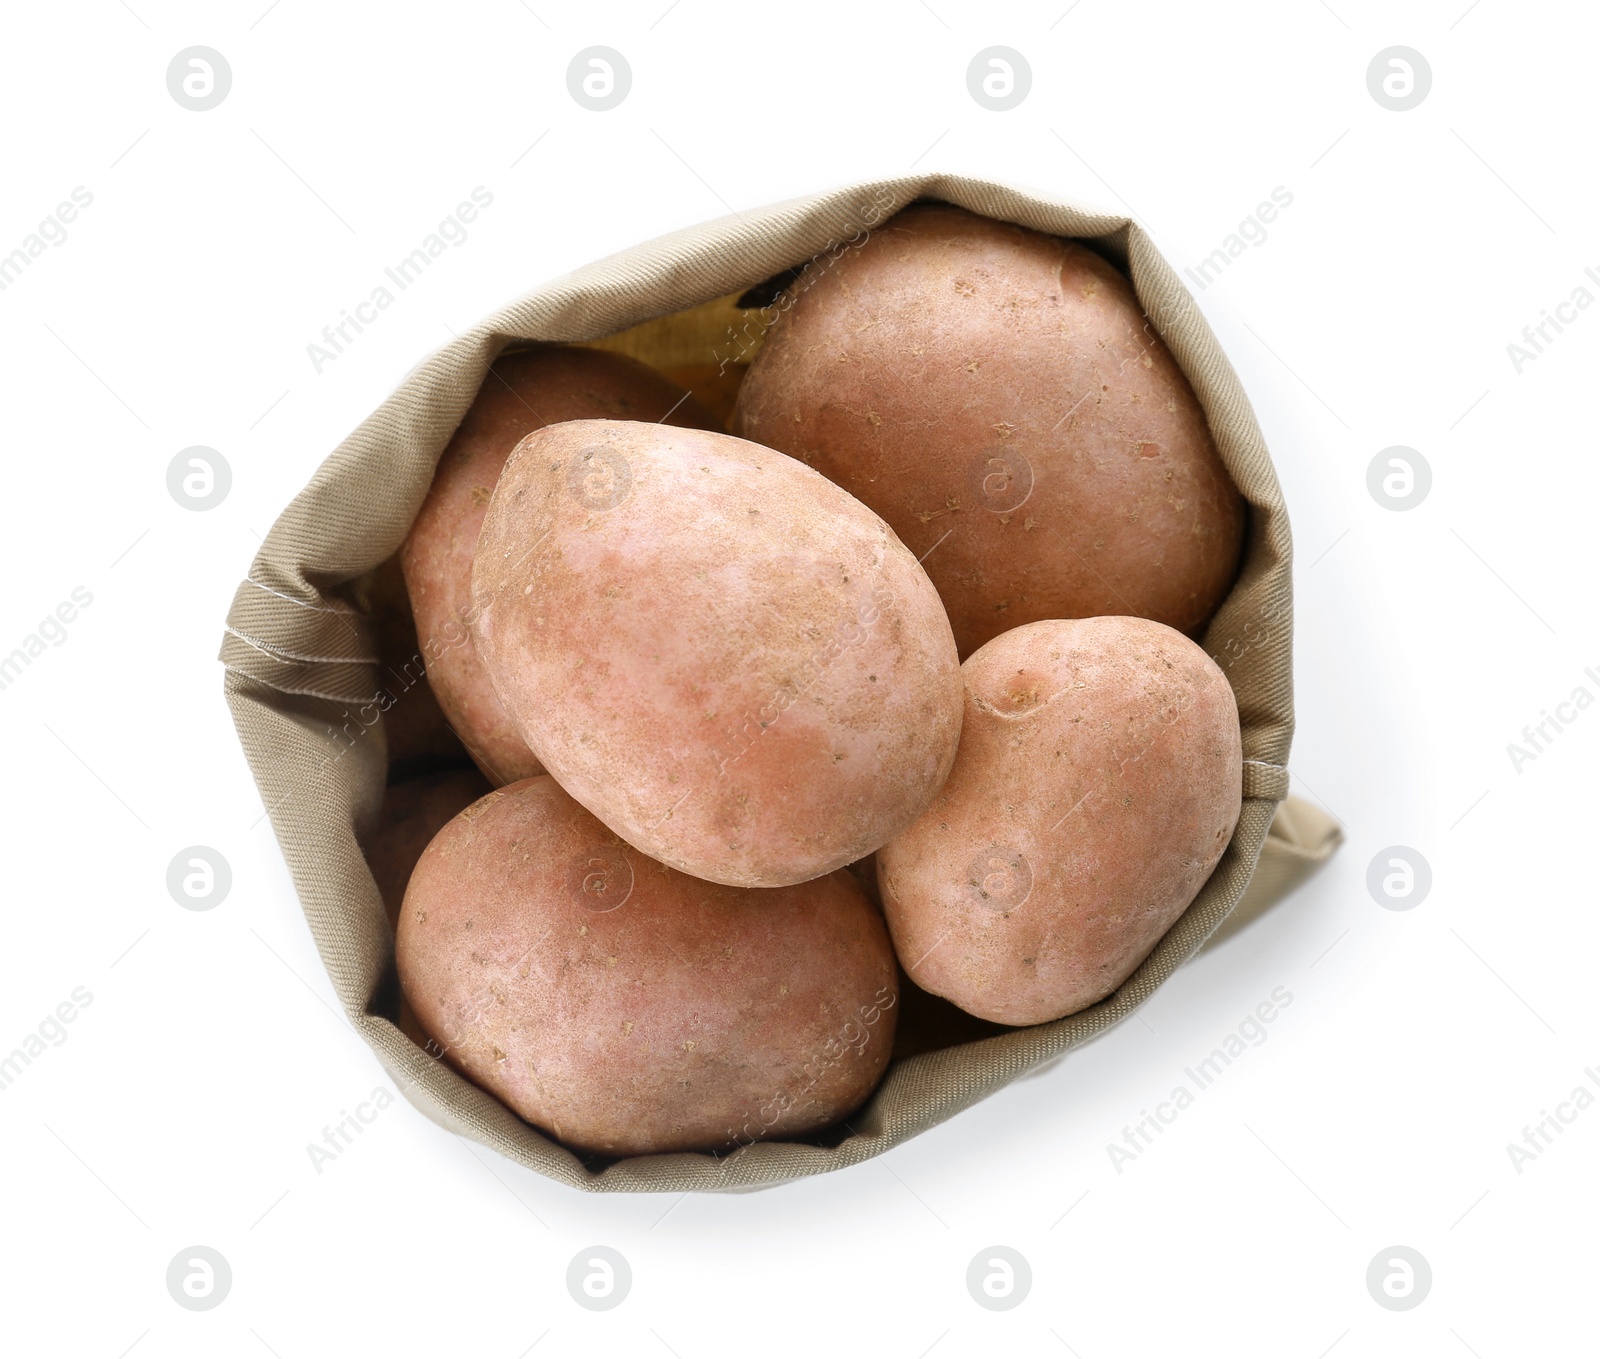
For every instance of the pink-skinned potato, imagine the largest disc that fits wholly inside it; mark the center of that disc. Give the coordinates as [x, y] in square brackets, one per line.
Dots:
[523, 391]
[1097, 785]
[726, 658]
[415, 729]
[998, 396]
[629, 1009]
[413, 812]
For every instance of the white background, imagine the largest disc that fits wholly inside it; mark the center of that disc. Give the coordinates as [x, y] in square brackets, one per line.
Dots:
[1377, 312]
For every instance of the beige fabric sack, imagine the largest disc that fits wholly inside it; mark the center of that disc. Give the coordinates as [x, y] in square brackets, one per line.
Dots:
[301, 660]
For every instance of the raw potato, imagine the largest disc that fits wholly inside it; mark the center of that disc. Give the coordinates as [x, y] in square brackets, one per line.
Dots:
[1097, 785]
[865, 872]
[714, 385]
[522, 392]
[997, 395]
[413, 813]
[728, 660]
[417, 735]
[928, 1023]
[628, 1009]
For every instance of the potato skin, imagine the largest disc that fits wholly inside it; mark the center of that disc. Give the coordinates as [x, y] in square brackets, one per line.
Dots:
[929, 1023]
[1098, 783]
[522, 392]
[628, 1009]
[722, 655]
[416, 732]
[714, 385]
[413, 813]
[971, 378]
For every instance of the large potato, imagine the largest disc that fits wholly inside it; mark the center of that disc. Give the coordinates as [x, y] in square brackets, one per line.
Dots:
[628, 1009]
[997, 395]
[727, 659]
[1097, 785]
[522, 392]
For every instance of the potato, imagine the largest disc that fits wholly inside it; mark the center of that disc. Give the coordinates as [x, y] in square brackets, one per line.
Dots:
[929, 1023]
[417, 734]
[714, 385]
[733, 664]
[628, 1009]
[522, 392]
[1097, 785]
[865, 872]
[413, 813]
[997, 395]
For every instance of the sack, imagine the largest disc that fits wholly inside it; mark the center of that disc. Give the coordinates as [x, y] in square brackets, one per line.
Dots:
[303, 684]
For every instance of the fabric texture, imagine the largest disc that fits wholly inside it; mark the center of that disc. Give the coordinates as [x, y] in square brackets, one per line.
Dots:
[300, 662]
